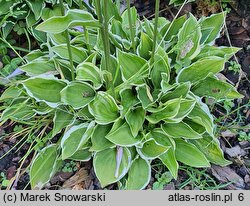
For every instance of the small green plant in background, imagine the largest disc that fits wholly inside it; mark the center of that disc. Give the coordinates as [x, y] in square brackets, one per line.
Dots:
[4, 182]
[244, 136]
[69, 167]
[199, 179]
[234, 66]
[162, 180]
[106, 87]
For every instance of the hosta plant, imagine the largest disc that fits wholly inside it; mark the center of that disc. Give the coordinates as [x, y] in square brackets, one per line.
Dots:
[122, 92]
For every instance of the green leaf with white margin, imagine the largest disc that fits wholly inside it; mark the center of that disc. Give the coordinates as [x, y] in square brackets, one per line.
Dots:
[168, 158]
[160, 66]
[78, 54]
[168, 111]
[61, 120]
[201, 115]
[125, 21]
[121, 134]
[202, 68]
[104, 108]
[171, 30]
[38, 66]
[128, 100]
[81, 155]
[186, 106]
[45, 89]
[75, 138]
[181, 90]
[74, 17]
[105, 165]
[223, 52]
[99, 142]
[212, 87]
[189, 39]
[145, 47]
[18, 112]
[211, 149]
[36, 7]
[44, 166]
[214, 24]
[180, 130]
[151, 149]
[89, 72]
[144, 95]
[189, 154]
[196, 127]
[135, 119]
[139, 174]
[131, 64]
[11, 92]
[77, 94]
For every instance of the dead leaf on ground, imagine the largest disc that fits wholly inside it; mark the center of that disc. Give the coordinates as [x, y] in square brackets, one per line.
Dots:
[226, 175]
[61, 177]
[235, 151]
[11, 172]
[78, 178]
[227, 134]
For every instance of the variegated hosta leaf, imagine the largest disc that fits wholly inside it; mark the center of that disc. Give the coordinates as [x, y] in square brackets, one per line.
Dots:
[145, 47]
[77, 94]
[62, 119]
[189, 39]
[99, 140]
[89, 72]
[121, 134]
[18, 112]
[74, 17]
[39, 66]
[44, 166]
[144, 95]
[125, 21]
[171, 30]
[180, 130]
[151, 149]
[212, 87]
[202, 68]
[168, 111]
[78, 54]
[135, 119]
[11, 92]
[45, 89]
[74, 139]
[113, 11]
[104, 108]
[180, 91]
[139, 174]
[160, 66]
[131, 65]
[201, 115]
[186, 106]
[189, 154]
[111, 165]
[128, 100]
[223, 52]
[83, 155]
[210, 147]
[168, 158]
[211, 27]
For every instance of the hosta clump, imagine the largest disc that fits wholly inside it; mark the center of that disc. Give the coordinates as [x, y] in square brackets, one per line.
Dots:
[127, 105]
